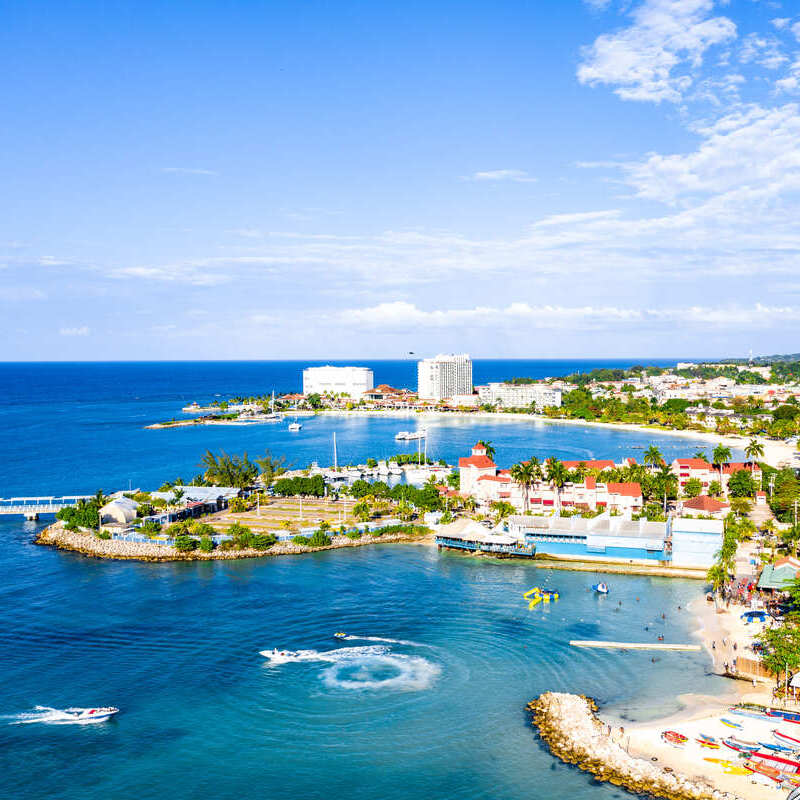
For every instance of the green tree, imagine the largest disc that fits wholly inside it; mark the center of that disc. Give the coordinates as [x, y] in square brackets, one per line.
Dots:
[741, 484]
[557, 474]
[666, 482]
[525, 476]
[206, 544]
[693, 487]
[362, 511]
[270, 467]
[501, 510]
[753, 451]
[184, 543]
[489, 447]
[701, 454]
[653, 457]
[721, 455]
[781, 648]
[715, 488]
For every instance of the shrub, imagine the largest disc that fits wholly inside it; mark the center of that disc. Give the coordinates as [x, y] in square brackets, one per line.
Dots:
[263, 541]
[150, 528]
[184, 543]
[104, 535]
[354, 534]
[71, 527]
[206, 544]
[176, 529]
[201, 529]
[304, 540]
[319, 539]
[238, 505]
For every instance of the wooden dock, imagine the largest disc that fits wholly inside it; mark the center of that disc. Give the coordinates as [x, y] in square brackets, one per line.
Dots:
[634, 645]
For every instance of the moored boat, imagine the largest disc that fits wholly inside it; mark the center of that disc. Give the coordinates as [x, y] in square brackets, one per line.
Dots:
[730, 723]
[740, 745]
[783, 738]
[674, 738]
[707, 741]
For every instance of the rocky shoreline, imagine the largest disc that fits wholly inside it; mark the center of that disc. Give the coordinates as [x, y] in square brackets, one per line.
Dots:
[568, 724]
[89, 545]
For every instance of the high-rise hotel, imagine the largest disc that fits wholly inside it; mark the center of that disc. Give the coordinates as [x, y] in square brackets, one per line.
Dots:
[444, 376]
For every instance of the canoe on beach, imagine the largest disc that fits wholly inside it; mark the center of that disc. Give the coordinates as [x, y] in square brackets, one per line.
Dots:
[740, 745]
[783, 738]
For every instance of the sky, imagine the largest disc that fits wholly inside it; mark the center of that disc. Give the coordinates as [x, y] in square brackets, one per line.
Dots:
[312, 179]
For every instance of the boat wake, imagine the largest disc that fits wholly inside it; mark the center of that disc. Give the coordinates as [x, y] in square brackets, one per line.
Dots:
[53, 716]
[365, 668]
[393, 671]
[354, 638]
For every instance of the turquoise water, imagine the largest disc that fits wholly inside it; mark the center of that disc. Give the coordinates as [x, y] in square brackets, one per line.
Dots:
[436, 713]
[441, 715]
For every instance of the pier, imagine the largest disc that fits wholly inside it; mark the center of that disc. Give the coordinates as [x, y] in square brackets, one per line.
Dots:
[32, 507]
[634, 645]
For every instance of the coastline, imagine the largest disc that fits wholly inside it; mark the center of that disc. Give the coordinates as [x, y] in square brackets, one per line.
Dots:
[88, 544]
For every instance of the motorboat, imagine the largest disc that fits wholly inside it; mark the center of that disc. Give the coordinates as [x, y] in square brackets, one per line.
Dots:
[600, 588]
[410, 436]
[295, 426]
[91, 714]
[276, 656]
[340, 635]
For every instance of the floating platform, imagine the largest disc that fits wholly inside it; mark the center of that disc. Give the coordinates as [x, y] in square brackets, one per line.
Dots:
[634, 645]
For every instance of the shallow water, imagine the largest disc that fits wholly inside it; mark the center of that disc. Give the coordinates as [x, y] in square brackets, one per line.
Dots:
[435, 708]
[442, 652]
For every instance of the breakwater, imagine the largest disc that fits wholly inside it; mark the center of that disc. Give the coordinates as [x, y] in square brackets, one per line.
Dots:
[568, 724]
[90, 545]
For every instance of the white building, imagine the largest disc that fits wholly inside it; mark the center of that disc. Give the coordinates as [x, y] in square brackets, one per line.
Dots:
[444, 376]
[696, 542]
[510, 395]
[352, 381]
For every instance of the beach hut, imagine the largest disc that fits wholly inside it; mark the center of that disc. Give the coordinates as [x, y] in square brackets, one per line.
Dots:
[774, 577]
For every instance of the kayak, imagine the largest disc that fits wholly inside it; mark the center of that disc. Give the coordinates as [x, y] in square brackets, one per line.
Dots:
[674, 738]
[740, 745]
[730, 723]
[707, 741]
[783, 738]
[778, 748]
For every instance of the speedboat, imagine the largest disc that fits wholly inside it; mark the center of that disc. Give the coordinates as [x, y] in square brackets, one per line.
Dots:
[340, 635]
[600, 588]
[92, 714]
[276, 656]
[295, 426]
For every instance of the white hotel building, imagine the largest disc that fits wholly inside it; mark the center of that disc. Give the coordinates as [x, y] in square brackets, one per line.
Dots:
[352, 381]
[511, 395]
[444, 376]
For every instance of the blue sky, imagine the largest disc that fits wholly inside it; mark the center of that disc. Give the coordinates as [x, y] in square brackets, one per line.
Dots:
[359, 179]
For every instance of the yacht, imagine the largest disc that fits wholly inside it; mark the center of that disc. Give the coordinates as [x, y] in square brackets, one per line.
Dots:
[410, 436]
[295, 426]
[92, 714]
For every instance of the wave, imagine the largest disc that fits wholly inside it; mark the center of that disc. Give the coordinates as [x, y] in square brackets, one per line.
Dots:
[355, 638]
[51, 716]
[382, 672]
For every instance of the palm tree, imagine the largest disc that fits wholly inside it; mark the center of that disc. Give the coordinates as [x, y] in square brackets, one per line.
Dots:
[754, 450]
[701, 454]
[652, 456]
[666, 481]
[525, 476]
[720, 455]
[557, 474]
[488, 447]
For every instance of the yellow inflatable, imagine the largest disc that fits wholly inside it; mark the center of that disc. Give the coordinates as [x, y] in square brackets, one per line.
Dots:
[537, 595]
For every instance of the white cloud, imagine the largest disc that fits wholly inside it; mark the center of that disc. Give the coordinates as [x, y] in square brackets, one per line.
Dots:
[83, 330]
[780, 22]
[796, 30]
[515, 175]
[188, 171]
[656, 57]
[763, 50]
[405, 316]
[790, 84]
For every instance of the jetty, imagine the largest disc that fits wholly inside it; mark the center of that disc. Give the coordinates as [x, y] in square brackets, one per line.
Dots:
[32, 507]
[634, 645]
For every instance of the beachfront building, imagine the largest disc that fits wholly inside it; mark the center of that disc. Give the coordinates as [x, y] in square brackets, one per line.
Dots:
[350, 381]
[687, 468]
[603, 537]
[474, 467]
[774, 577]
[444, 376]
[511, 395]
[705, 506]
[695, 542]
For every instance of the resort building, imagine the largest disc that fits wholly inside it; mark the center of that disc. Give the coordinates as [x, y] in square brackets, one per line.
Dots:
[350, 381]
[687, 468]
[695, 542]
[473, 468]
[120, 511]
[444, 376]
[511, 395]
[706, 506]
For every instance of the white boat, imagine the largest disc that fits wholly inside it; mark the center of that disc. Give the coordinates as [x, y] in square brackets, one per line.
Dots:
[410, 436]
[91, 714]
[295, 426]
[395, 470]
[601, 588]
[276, 656]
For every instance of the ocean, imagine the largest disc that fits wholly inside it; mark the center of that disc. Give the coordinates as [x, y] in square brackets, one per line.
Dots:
[424, 699]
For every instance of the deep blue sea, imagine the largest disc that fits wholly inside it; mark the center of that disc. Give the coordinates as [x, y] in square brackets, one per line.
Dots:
[426, 700]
